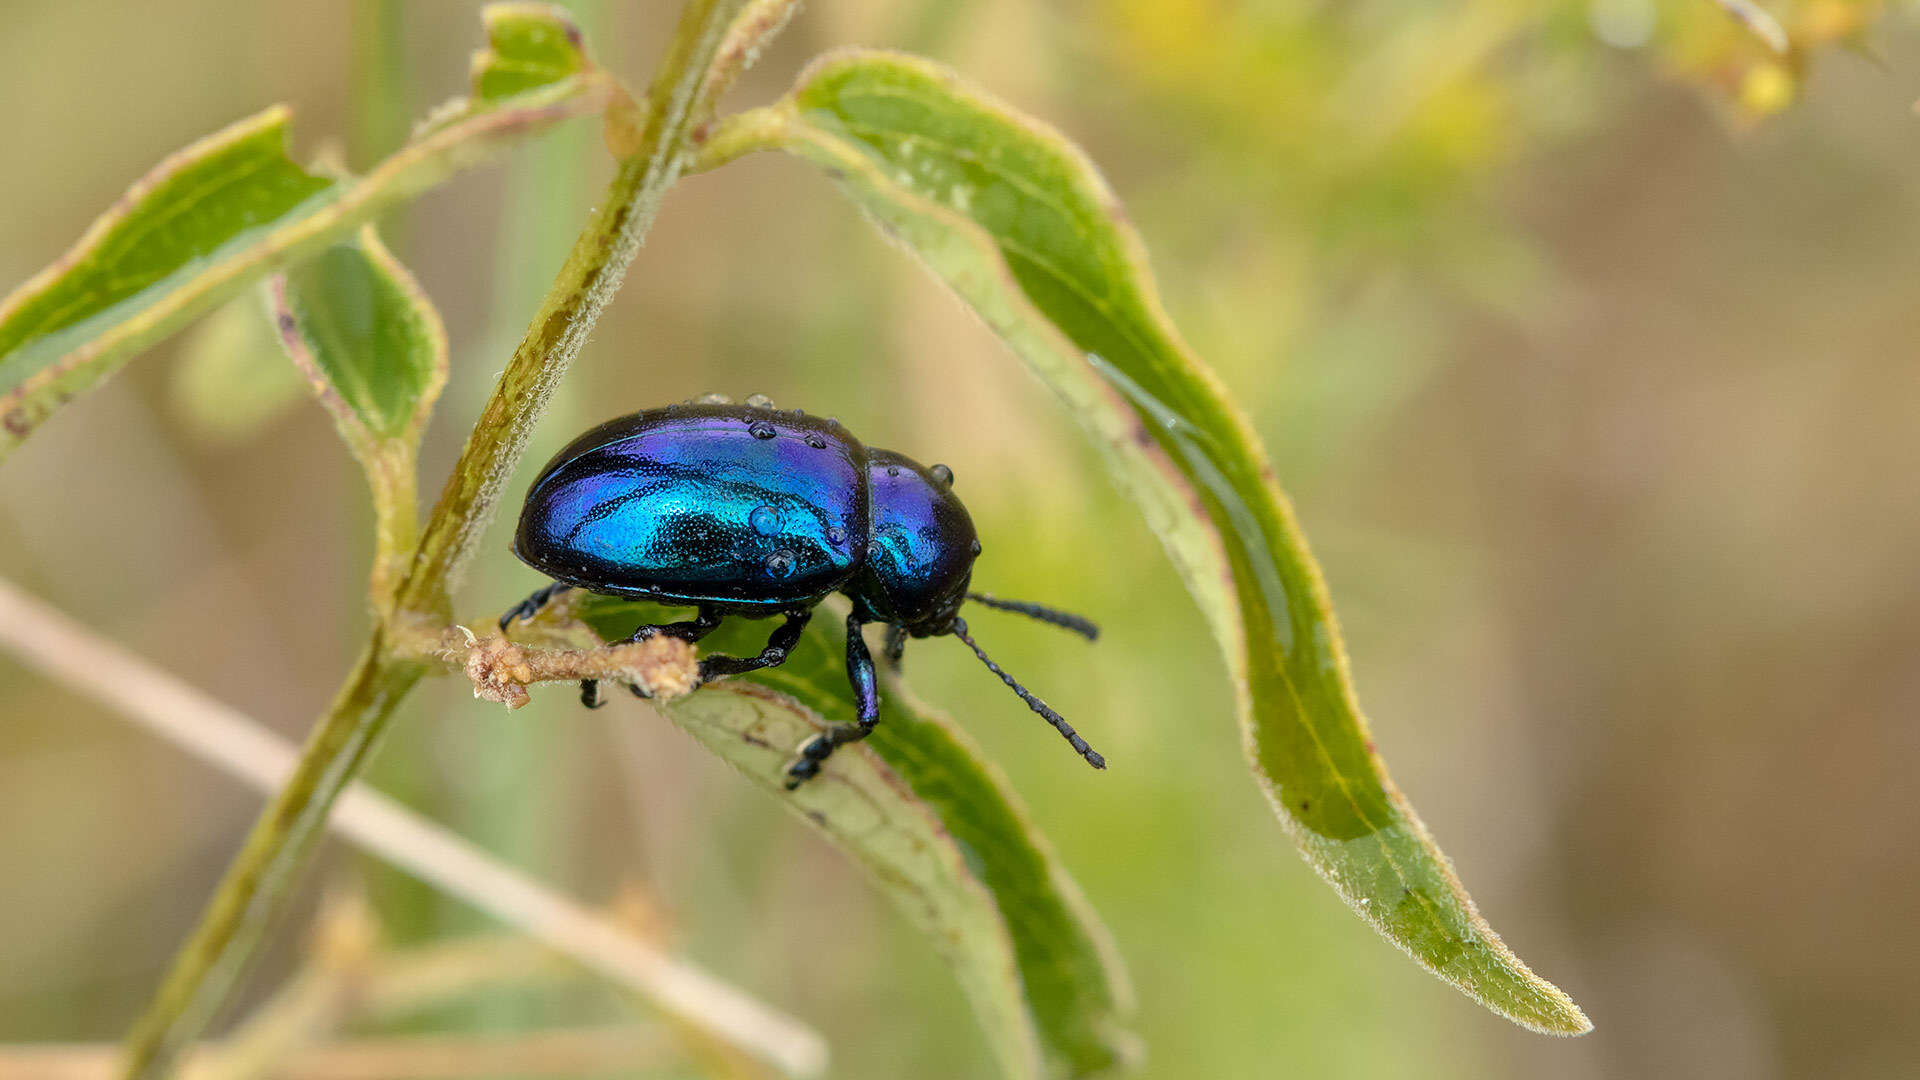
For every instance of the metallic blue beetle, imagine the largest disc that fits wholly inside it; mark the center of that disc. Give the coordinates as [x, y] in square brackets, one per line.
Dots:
[746, 510]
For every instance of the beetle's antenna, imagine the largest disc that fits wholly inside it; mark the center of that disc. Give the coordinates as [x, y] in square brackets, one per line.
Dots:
[1059, 722]
[1062, 619]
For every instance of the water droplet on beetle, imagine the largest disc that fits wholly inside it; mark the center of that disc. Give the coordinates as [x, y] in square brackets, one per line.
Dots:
[942, 474]
[836, 535]
[780, 563]
[764, 519]
[760, 401]
[893, 470]
[976, 547]
[760, 429]
[816, 442]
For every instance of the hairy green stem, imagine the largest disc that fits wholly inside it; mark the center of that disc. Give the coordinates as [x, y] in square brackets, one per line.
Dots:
[592, 273]
[741, 134]
[282, 839]
[279, 845]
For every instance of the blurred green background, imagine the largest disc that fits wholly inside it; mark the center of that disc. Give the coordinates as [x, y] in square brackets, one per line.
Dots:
[1593, 385]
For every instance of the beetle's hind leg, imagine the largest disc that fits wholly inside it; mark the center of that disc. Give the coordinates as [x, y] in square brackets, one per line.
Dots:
[866, 711]
[896, 645]
[691, 630]
[528, 608]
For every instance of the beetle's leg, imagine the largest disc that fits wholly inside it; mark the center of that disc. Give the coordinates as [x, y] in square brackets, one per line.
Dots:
[528, 608]
[866, 712]
[779, 644]
[590, 693]
[896, 645]
[692, 630]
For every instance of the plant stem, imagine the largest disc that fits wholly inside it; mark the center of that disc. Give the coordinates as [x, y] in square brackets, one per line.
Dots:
[741, 134]
[58, 647]
[592, 273]
[260, 877]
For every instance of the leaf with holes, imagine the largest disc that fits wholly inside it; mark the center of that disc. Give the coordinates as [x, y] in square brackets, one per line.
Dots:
[1014, 218]
[233, 206]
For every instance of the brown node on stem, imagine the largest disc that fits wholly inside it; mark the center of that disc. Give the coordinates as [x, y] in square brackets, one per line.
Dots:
[501, 670]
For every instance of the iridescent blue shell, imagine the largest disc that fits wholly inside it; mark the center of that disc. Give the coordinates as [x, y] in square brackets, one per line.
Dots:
[735, 506]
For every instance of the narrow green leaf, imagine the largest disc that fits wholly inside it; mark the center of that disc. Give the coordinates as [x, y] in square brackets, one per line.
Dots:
[939, 831]
[528, 46]
[221, 213]
[374, 350]
[367, 338]
[1016, 220]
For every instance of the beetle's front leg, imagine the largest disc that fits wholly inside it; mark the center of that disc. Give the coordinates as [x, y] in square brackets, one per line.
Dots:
[866, 699]
[896, 645]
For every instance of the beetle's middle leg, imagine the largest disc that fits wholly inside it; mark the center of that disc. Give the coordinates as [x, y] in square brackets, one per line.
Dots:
[689, 631]
[866, 700]
[779, 644]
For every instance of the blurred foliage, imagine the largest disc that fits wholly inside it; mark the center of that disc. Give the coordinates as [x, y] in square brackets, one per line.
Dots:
[1597, 402]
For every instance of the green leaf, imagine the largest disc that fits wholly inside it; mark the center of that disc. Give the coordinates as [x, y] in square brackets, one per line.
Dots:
[221, 213]
[938, 830]
[528, 46]
[370, 342]
[1015, 219]
[374, 350]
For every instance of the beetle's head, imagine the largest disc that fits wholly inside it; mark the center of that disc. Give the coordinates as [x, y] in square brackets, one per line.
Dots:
[920, 549]
[920, 556]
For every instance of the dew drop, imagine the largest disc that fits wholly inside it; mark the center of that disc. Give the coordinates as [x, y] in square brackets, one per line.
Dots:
[976, 547]
[760, 429]
[836, 535]
[893, 470]
[780, 564]
[816, 442]
[760, 401]
[764, 519]
[942, 474]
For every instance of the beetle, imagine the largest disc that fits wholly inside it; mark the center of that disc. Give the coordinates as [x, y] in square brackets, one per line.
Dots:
[745, 510]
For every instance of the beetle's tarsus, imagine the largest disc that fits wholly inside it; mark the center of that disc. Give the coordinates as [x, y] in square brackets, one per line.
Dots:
[590, 693]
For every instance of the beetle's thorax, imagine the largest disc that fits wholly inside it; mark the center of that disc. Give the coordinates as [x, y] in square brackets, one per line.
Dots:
[920, 546]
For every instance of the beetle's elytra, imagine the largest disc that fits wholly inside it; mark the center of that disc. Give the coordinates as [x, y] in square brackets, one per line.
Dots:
[746, 510]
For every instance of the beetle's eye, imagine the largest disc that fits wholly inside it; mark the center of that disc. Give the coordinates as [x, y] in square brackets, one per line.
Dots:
[942, 474]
